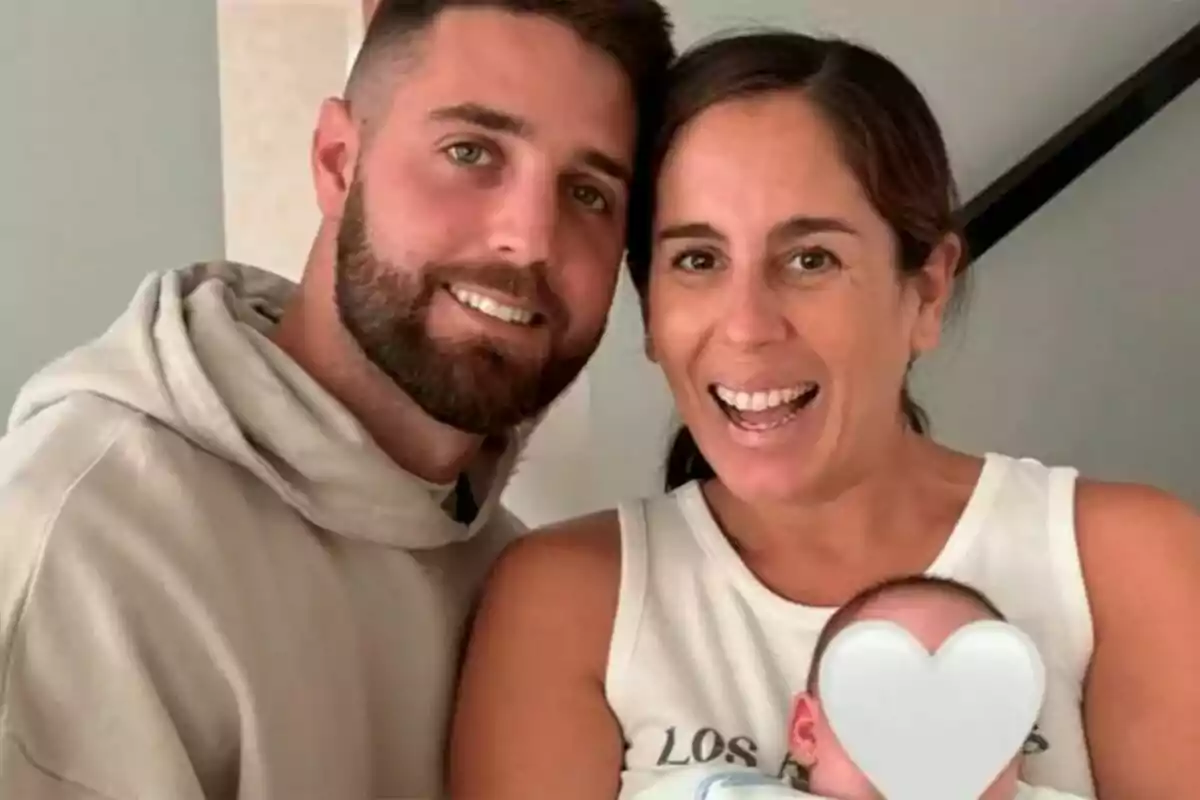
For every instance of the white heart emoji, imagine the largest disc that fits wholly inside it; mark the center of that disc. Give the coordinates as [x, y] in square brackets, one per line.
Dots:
[931, 727]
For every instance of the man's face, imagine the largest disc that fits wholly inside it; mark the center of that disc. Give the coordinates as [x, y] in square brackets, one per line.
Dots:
[480, 241]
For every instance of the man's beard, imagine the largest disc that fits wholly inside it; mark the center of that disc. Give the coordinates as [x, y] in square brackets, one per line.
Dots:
[476, 385]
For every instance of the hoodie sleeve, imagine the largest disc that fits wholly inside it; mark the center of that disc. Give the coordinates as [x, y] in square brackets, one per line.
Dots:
[105, 693]
[19, 777]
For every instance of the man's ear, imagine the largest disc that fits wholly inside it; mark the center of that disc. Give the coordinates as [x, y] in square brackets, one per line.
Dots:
[335, 153]
[802, 731]
[935, 287]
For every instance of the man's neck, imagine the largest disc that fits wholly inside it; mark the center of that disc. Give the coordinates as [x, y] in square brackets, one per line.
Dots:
[311, 334]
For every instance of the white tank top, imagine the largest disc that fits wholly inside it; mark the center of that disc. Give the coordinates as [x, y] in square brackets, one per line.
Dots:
[705, 660]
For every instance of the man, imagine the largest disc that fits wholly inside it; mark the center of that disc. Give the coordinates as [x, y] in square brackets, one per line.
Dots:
[240, 532]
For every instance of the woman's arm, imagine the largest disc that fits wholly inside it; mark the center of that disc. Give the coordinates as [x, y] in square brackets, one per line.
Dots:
[532, 720]
[1141, 560]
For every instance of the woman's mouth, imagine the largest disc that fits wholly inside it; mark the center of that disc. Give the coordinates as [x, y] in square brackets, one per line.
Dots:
[763, 410]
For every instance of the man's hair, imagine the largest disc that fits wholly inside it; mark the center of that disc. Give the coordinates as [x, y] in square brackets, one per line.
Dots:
[847, 614]
[635, 33]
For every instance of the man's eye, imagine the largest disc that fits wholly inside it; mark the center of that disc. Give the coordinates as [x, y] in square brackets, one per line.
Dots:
[468, 154]
[590, 197]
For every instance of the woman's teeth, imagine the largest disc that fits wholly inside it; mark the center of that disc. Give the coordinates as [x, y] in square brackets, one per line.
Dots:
[492, 308]
[761, 400]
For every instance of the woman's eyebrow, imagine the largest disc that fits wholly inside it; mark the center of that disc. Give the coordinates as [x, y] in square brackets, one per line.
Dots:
[791, 228]
[690, 230]
[798, 226]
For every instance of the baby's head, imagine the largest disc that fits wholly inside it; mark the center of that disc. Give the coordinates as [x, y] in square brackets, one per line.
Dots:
[930, 609]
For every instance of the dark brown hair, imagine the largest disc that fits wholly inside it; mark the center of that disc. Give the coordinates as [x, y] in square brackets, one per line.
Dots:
[886, 130]
[635, 33]
[854, 606]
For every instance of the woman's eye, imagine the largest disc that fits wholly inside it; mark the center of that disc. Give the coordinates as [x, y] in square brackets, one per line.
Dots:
[694, 261]
[813, 260]
[468, 154]
[590, 197]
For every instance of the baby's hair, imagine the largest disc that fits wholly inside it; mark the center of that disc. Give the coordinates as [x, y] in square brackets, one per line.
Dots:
[851, 609]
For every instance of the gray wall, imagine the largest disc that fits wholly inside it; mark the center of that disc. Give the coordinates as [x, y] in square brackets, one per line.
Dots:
[110, 150]
[1080, 341]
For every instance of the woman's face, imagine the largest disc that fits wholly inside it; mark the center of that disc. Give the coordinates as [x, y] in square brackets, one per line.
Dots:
[775, 306]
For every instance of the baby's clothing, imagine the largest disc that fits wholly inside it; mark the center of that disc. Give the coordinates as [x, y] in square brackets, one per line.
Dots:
[740, 783]
[719, 783]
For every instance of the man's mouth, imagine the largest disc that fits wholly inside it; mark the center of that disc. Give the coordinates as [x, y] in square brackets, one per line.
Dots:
[494, 308]
[764, 410]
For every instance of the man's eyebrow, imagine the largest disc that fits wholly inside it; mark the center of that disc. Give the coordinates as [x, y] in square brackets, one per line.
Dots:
[484, 117]
[502, 122]
[690, 230]
[608, 165]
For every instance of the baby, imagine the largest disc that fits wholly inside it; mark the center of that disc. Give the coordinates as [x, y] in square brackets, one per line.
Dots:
[930, 609]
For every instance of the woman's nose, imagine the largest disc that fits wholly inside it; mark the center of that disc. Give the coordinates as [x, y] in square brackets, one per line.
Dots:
[753, 314]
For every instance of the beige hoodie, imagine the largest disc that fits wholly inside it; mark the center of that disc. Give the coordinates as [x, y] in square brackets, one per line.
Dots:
[212, 583]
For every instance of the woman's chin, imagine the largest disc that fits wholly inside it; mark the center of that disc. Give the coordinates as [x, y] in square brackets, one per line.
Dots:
[755, 477]
[772, 465]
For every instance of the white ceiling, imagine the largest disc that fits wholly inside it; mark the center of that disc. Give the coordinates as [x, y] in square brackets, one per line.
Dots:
[1002, 75]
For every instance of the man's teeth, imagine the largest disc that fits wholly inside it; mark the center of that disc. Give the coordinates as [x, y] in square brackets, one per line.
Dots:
[760, 401]
[492, 308]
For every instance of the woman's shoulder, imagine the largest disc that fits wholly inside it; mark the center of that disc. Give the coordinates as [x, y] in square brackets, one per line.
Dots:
[588, 548]
[570, 570]
[586, 545]
[1127, 529]
[1104, 504]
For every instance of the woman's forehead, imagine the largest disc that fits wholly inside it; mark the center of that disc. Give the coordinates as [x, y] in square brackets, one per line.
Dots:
[772, 155]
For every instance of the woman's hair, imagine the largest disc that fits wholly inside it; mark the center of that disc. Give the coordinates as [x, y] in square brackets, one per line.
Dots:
[887, 134]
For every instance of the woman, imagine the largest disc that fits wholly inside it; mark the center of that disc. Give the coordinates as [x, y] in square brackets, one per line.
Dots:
[799, 255]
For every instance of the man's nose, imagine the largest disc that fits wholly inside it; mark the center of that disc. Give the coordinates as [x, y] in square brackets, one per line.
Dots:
[524, 221]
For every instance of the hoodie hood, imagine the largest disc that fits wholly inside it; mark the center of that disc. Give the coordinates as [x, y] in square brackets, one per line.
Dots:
[191, 352]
